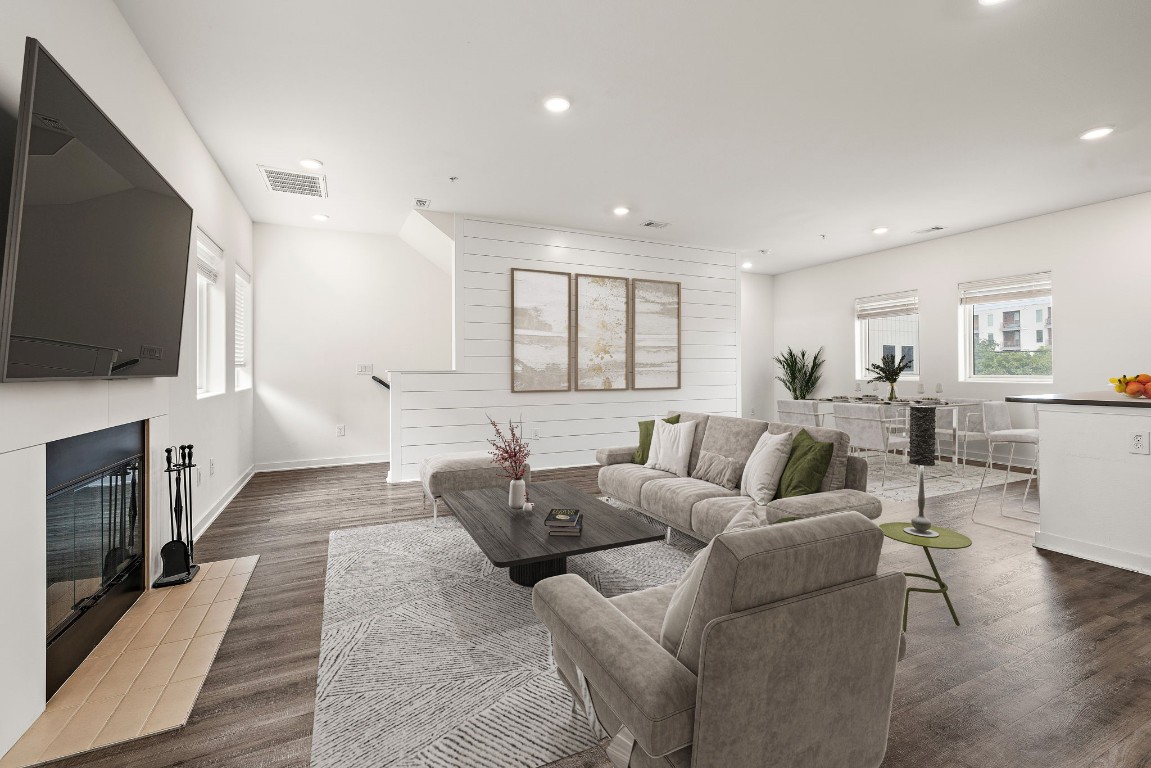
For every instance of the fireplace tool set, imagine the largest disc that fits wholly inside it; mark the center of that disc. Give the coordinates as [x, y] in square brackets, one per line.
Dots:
[178, 553]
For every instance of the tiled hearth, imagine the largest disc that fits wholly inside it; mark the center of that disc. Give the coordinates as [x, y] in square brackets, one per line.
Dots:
[145, 675]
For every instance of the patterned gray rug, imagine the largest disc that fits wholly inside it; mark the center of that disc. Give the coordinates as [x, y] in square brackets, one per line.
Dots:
[430, 656]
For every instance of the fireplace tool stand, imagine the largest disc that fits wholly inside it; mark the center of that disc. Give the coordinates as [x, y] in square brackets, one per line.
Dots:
[178, 554]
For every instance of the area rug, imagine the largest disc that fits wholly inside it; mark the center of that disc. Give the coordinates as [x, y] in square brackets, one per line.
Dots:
[939, 480]
[430, 656]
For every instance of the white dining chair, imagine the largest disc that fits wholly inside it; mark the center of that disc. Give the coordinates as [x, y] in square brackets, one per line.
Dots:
[868, 426]
[803, 412]
[998, 430]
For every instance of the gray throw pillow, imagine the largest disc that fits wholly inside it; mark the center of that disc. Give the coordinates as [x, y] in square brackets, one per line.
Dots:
[718, 469]
[682, 601]
[765, 467]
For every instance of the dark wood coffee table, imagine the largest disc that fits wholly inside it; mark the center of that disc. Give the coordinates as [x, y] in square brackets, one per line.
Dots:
[519, 541]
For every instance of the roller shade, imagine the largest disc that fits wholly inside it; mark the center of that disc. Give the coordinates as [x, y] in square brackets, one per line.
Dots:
[887, 305]
[1034, 286]
[243, 292]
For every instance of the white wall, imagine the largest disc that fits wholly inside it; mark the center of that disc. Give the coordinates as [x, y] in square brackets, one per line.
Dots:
[444, 412]
[324, 302]
[757, 344]
[93, 43]
[1101, 273]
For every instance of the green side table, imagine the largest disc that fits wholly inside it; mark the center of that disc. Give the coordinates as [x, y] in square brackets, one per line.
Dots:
[947, 539]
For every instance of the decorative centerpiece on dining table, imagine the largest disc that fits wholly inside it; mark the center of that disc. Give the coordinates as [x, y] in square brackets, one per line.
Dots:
[511, 453]
[888, 371]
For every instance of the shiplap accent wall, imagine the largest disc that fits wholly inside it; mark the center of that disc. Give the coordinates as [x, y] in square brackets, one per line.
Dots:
[446, 412]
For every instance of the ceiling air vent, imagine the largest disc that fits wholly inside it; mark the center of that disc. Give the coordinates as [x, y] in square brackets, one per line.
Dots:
[423, 202]
[295, 183]
[929, 230]
[652, 224]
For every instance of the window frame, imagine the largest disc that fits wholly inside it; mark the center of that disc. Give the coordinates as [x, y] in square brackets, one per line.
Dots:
[1011, 288]
[868, 308]
[210, 318]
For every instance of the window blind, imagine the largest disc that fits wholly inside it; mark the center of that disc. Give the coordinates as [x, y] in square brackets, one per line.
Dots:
[243, 293]
[887, 305]
[1034, 286]
[209, 257]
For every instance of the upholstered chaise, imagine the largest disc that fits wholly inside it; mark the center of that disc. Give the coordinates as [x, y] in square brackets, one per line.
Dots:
[777, 649]
[702, 509]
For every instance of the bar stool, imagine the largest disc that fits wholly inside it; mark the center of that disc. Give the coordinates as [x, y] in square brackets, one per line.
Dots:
[998, 430]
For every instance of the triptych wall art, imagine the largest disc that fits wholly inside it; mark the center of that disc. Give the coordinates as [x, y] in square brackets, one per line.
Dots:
[621, 333]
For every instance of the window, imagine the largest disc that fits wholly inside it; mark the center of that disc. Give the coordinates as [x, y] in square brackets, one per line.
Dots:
[243, 309]
[209, 317]
[885, 324]
[1007, 352]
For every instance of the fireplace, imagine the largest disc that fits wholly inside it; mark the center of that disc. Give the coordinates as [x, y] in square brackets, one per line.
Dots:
[95, 540]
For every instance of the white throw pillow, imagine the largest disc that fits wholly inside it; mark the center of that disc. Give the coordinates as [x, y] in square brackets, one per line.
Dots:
[765, 467]
[671, 447]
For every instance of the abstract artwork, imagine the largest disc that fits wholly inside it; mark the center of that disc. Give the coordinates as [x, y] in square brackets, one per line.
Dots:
[601, 332]
[655, 334]
[541, 331]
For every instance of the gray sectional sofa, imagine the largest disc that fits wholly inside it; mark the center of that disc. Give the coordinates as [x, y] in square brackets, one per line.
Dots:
[702, 509]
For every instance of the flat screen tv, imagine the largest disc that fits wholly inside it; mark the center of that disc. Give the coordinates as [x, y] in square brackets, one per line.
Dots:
[96, 255]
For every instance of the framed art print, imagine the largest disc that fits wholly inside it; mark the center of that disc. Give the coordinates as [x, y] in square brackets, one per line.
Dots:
[602, 359]
[541, 331]
[655, 334]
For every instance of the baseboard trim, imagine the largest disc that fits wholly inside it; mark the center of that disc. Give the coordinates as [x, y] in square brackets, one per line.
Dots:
[337, 461]
[224, 501]
[1097, 553]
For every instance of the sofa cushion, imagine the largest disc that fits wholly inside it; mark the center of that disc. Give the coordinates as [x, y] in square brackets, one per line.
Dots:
[836, 476]
[745, 569]
[625, 481]
[671, 500]
[710, 517]
[718, 469]
[766, 466]
[806, 467]
[671, 447]
[646, 607]
[751, 516]
[646, 429]
[733, 437]
[701, 420]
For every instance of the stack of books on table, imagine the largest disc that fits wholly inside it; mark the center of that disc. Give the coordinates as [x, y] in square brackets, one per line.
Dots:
[564, 522]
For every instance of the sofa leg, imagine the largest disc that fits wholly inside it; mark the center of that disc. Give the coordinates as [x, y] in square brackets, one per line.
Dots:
[667, 536]
[435, 508]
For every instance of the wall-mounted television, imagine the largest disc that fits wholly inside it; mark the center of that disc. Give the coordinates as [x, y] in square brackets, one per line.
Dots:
[95, 265]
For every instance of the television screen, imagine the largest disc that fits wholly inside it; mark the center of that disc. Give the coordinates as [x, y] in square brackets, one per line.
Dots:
[96, 256]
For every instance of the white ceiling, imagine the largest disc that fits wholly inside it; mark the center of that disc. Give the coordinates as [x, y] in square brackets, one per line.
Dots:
[746, 124]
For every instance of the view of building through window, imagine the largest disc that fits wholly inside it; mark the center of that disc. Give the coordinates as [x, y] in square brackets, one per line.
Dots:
[1012, 338]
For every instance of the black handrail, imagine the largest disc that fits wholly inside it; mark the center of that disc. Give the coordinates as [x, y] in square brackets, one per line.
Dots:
[381, 382]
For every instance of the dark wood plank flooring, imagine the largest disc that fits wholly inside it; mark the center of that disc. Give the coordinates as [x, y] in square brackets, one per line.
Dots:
[1051, 668]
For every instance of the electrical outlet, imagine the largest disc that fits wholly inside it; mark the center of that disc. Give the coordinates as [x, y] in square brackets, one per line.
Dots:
[535, 433]
[339, 430]
[753, 413]
[363, 369]
[211, 467]
[1140, 443]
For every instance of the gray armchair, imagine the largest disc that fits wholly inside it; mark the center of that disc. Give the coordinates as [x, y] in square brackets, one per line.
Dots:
[777, 648]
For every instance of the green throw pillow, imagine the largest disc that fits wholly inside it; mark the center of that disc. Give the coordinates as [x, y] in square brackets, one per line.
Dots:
[806, 466]
[646, 430]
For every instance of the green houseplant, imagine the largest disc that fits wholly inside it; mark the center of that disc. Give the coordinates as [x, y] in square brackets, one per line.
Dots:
[889, 371]
[800, 376]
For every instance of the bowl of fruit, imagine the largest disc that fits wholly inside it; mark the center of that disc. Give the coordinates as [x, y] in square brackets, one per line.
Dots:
[1133, 386]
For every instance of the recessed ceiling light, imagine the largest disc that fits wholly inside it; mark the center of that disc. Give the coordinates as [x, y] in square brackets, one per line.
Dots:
[1097, 133]
[747, 265]
[321, 216]
[620, 210]
[557, 104]
[991, 2]
[311, 164]
[879, 231]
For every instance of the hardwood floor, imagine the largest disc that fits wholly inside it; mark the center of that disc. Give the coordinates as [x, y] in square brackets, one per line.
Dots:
[1051, 667]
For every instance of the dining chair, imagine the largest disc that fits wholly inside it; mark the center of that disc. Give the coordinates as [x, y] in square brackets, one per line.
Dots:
[998, 430]
[868, 427]
[803, 412]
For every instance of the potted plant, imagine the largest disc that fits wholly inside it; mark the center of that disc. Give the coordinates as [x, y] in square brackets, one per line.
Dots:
[800, 375]
[889, 371]
[511, 453]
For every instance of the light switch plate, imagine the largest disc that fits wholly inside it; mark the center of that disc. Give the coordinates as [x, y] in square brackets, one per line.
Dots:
[363, 369]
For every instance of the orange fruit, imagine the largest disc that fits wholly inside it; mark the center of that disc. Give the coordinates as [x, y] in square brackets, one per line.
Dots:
[1134, 389]
[1143, 378]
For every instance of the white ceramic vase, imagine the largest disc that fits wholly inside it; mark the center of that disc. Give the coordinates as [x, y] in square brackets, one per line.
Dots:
[517, 492]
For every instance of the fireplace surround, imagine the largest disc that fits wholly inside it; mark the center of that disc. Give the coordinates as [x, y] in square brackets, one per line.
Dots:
[96, 540]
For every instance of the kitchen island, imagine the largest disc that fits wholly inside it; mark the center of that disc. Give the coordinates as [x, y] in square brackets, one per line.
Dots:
[1095, 477]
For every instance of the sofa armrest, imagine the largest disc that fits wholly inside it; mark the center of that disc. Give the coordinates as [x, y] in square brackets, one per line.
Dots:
[856, 478]
[620, 454]
[644, 685]
[824, 503]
